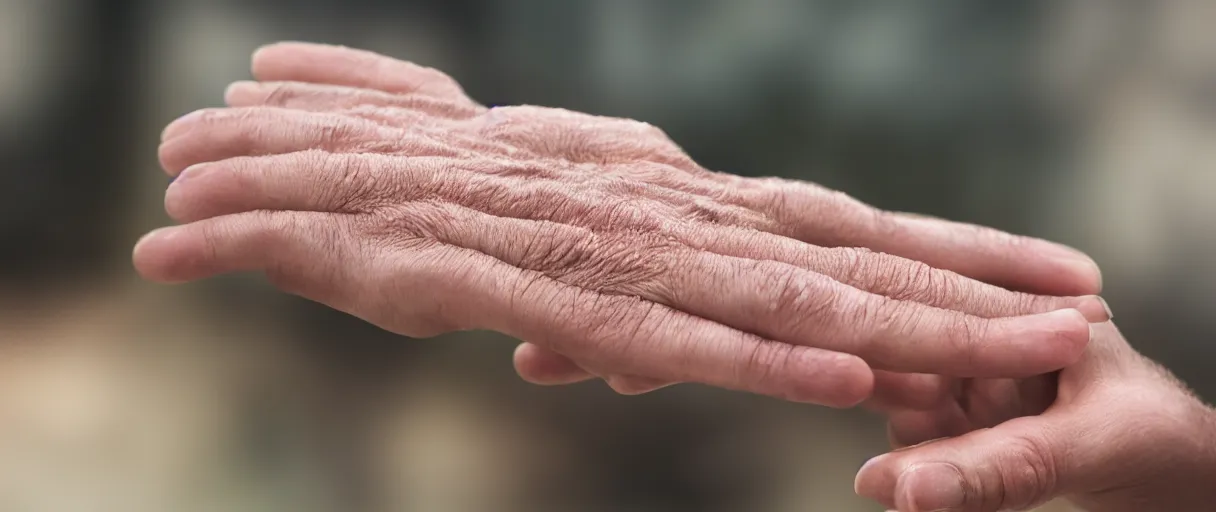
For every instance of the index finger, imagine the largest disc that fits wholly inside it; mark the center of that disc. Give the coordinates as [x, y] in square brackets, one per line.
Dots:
[985, 254]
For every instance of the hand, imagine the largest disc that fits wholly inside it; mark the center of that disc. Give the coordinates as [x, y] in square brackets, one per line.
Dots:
[1117, 433]
[378, 188]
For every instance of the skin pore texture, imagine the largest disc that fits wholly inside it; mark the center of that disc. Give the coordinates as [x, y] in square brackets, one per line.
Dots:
[377, 187]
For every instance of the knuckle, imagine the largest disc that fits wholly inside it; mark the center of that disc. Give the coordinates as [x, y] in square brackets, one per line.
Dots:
[774, 193]
[338, 131]
[1026, 479]
[356, 183]
[1026, 303]
[965, 336]
[612, 326]
[279, 94]
[857, 263]
[625, 211]
[929, 285]
[795, 299]
[426, 74]
[890, 318]
[625, 263]
[763, 364]
[557, 252]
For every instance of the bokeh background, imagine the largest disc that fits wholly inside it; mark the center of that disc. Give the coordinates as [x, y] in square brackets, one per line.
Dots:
[1091, 123]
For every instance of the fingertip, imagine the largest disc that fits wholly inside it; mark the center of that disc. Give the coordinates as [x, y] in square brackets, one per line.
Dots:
[931, 486]
[876, 480]
[1023, 346]
[268, 53]
[1059, 338]
[1086, 275]
[180, 125]
[154, 255]
[269, 50]
[1075, 331]
[1094, 309]
[631, 385]
[185, 201]
[285, 53]
[238, 94]
[838, 380]
[171, 155]
[546, 368]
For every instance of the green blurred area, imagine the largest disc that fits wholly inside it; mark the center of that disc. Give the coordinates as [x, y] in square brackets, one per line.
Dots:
[1088, 123]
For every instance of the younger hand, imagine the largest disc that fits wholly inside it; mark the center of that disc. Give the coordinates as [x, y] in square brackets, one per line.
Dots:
[1114, 433]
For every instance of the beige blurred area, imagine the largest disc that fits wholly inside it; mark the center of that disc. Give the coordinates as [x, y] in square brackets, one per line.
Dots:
[1087, 122]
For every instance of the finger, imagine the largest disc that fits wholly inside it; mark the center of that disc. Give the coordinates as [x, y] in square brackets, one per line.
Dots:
[635, 337]
[216, 134]
[1014, 466]
[634, 385]
[777, 300]
[330, 98]
[418, 113]
[790, 304]
[981, 253]
[895, 277]
[298, 251]
[545, 367]
[615, 332]
[718, 229]
[322, 64]
[985, 254]
[909, 391]
[313, 181]
[911, 427]
[219, 134]
[1021, 263]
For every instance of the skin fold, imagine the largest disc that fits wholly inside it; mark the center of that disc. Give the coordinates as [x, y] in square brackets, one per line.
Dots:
[377, 187]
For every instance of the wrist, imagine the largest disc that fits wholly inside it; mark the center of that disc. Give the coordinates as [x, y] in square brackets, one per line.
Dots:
[1208, 433]
[1174, 473]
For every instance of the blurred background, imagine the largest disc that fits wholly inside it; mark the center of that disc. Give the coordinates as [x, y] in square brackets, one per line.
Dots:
[1090, 123]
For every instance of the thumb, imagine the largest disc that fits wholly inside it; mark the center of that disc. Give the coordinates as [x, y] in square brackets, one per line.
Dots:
[1016, 465]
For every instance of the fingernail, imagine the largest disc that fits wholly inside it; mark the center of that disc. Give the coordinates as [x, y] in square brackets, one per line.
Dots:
[1110, 315]
[866, 468]
[1087, 267]
[175, 128]
[151, 237]
[933, 487]
[1094, 309]
[1057, 320]
[191, 172]
[1079, 262]
[918, 445]
[232, 87]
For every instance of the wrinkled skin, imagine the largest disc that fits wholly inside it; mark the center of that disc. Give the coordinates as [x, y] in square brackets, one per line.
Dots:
[379, 188]
[383, 191]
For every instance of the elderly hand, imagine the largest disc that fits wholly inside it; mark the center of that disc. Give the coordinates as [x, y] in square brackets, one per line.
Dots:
[1115, 432]
[377, 187]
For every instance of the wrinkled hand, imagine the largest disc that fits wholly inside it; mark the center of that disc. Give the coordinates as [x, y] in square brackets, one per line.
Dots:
[1115, 433]
[378, 188]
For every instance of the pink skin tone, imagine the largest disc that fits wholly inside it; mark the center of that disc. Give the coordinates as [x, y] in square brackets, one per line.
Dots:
[377, 187]
[1113, 433]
